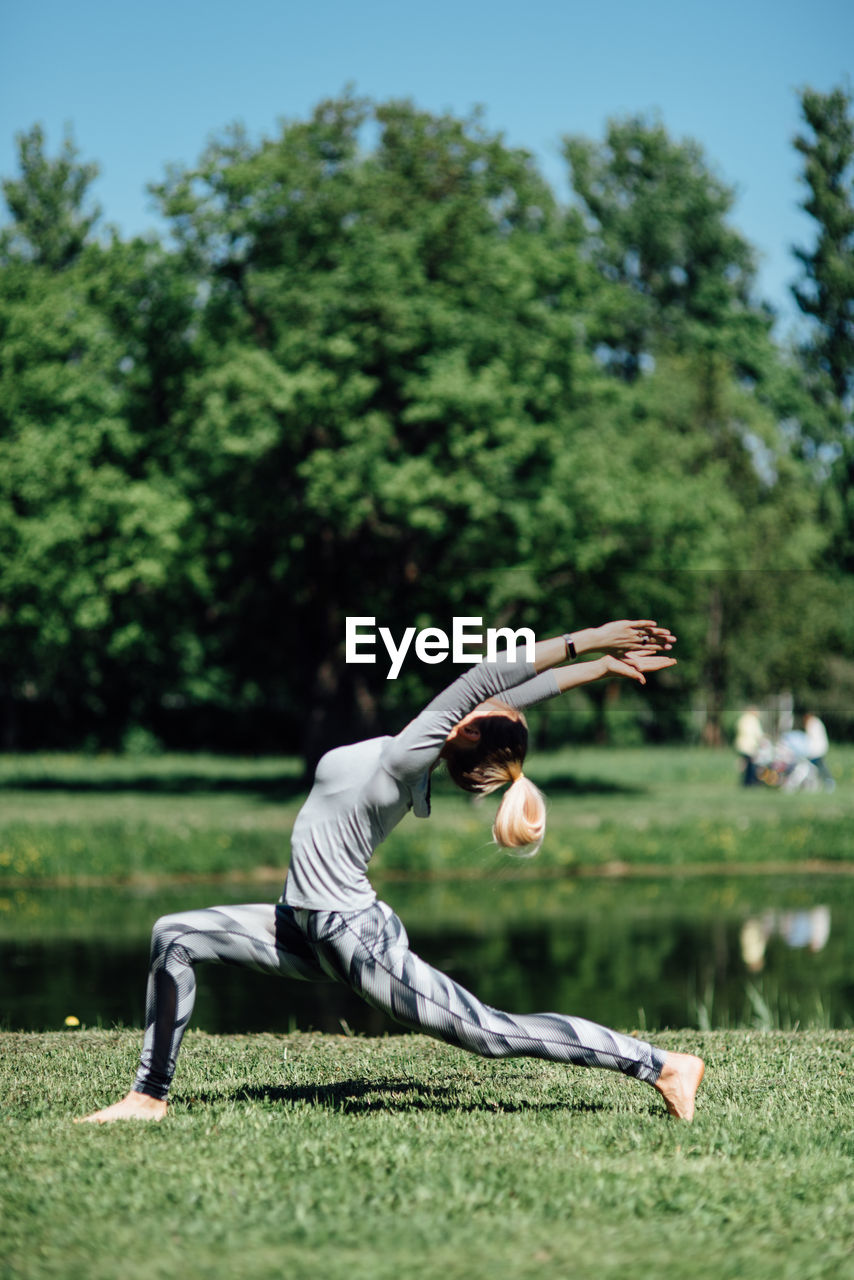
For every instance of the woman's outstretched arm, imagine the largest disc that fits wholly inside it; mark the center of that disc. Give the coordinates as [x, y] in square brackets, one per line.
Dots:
[631, 666]
[550, 684]
[417, 746]
[637, 640]
[641, 636]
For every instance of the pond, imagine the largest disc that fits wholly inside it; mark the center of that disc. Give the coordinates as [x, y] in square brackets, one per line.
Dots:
[636, 954]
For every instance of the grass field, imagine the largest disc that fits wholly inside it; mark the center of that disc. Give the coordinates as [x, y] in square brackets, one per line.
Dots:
[305, 1156]
[344, 1157]
[81, 820]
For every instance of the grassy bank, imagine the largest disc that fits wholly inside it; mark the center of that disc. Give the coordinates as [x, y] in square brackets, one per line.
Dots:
[348, 1158]
[83, 820]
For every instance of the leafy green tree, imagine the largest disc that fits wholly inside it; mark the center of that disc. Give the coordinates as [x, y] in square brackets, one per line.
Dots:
[398, 407]
[711, 394]
[92, 538]
[657, 220]
[94, 561]
[366, 377]
[380, 351]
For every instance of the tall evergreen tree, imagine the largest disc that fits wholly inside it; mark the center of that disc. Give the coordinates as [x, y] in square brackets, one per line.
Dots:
[52, 213]
[826, 295]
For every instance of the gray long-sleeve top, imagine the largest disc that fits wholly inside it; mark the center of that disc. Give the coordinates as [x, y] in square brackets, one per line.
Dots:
[362, 791]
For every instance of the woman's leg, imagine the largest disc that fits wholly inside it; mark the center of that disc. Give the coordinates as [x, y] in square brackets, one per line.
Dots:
[369, 951]
[258, 936]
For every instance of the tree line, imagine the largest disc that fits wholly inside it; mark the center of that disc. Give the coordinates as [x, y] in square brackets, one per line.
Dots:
[375, 367]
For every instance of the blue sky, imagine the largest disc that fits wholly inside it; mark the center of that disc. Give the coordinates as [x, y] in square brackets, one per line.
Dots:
[146, 84]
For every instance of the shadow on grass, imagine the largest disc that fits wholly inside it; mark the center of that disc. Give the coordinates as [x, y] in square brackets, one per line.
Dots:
[282, 788]
[362, 1097]
[567, 784]
[277, 789]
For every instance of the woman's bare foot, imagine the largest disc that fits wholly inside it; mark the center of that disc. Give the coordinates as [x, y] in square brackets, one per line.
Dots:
[678, 1083]
[136, 1106]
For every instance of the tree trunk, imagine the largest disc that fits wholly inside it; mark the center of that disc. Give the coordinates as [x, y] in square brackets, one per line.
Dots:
[8, 717]
[715, 669]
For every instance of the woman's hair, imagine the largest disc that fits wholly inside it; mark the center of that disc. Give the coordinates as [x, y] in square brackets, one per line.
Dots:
[497, 758]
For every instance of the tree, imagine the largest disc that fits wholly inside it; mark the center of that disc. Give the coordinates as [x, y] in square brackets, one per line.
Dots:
[395, 409]
[827, 292]
[95, 553]
[94, 542]
[48, 203]
[367, 377]
[372, 419]
[710, 394]
[826, 295]
[657, 221]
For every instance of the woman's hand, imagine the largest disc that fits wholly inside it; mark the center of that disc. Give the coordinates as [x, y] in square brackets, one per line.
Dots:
[635, 664]
[639, 636]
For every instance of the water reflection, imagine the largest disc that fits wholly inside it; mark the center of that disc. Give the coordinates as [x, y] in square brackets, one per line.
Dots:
[809, 929]
[623, 954]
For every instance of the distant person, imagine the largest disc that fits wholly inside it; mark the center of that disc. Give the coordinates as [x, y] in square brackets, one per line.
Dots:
[817, 747]
[328, 923]
[794, 768]
[749, 735]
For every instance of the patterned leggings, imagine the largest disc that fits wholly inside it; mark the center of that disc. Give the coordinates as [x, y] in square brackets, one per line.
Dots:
[369, 952]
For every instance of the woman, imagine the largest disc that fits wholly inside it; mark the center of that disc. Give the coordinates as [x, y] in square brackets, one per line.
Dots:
[329, 923]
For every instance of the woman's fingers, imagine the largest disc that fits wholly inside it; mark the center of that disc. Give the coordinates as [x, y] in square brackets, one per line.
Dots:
[652, 633]
[648, 660]
[632, 670]
[636, 634]
[626, 667]
[633, 664]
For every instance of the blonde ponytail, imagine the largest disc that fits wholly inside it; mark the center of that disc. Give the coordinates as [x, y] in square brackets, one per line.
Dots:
[520, 823]
[495, 760]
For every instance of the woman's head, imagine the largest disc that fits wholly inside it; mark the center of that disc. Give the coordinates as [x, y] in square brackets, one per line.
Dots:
[485, 751]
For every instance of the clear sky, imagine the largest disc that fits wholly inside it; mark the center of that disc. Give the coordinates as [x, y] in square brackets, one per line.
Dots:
[145, 84]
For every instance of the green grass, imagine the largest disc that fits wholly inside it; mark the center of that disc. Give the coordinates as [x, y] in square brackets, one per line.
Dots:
[79, 819]
[307, 1155]
[320, 1156]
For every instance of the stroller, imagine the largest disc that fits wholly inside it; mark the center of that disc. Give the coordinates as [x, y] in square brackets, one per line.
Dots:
[785, 763]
